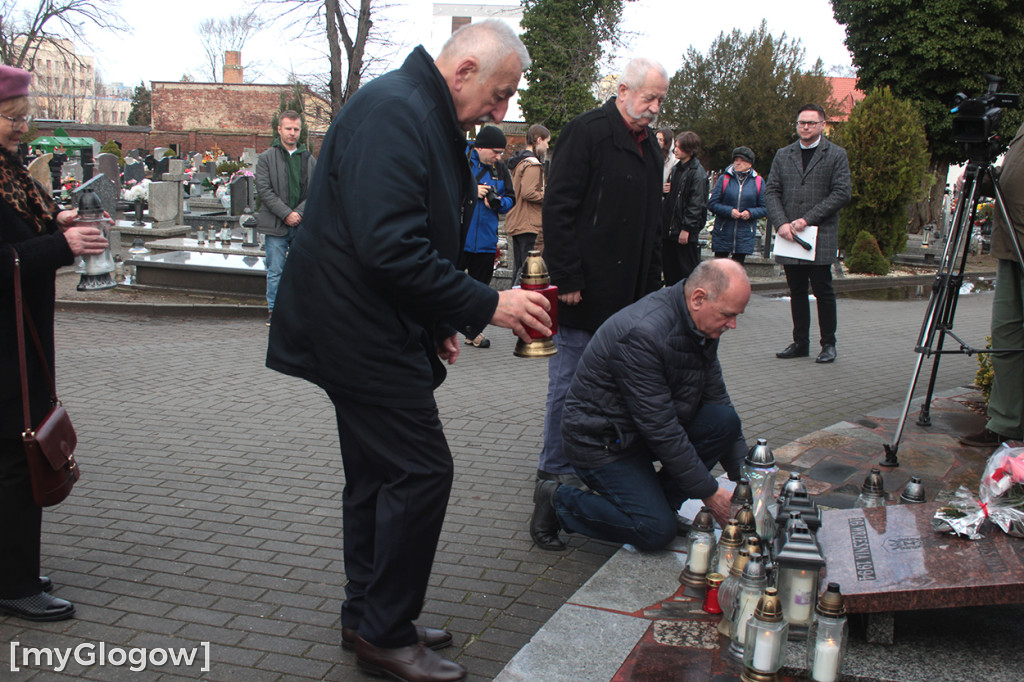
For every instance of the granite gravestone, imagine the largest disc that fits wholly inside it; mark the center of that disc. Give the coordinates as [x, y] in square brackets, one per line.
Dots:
[241, 194]
[175, 167]
[211, 168]
[107, 164]
[160, 166]
[134, 172]
[197, 160]
[72, 169]
[105, 188]
[249, 157]
[88, 163]
[161, 152]
[165, 199]
[40, 170]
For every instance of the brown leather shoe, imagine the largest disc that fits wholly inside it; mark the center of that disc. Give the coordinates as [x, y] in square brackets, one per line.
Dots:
[414, 663]
[430, 637]
[983, 439]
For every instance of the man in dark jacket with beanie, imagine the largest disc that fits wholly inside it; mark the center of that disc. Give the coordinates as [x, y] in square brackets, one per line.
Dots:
[649, 387]
[370, 302]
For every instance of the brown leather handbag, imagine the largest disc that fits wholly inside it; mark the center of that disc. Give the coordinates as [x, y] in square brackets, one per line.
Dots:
[50, 447]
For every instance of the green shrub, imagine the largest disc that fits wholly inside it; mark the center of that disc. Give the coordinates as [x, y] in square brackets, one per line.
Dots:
[228, 167]
[986, 374]
[110, 147]
[866, 257]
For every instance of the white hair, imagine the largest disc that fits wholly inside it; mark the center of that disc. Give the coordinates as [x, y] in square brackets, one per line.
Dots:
[491, 41]
[635, 73]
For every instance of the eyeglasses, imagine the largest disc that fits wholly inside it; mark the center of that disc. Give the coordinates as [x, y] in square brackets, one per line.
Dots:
[809, 124]
[17, 120]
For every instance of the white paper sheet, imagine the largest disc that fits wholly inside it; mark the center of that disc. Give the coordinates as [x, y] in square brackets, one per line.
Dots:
[786, 247]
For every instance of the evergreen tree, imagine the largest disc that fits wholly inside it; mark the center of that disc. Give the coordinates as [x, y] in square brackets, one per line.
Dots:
[927, 52]
[745, 91]
[885, 143]
[565, 39]
[142, 107]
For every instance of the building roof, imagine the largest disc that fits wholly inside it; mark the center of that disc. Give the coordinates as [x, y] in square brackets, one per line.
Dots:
[846, 95]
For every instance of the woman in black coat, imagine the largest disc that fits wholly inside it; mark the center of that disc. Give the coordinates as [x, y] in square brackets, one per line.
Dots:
[44, 238]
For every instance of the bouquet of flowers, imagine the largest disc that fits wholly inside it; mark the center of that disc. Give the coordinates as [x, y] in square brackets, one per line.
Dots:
[69, 182]
[139, 190]
[1000, 499]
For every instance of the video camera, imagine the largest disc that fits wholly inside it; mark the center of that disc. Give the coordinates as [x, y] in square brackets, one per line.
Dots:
[977, 120]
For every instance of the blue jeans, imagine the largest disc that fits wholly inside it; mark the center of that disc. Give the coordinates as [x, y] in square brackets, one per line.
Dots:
[629, 501]
[277, 252]
[570, 342]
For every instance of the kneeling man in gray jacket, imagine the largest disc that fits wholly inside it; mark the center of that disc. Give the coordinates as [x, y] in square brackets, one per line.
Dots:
[649, 388]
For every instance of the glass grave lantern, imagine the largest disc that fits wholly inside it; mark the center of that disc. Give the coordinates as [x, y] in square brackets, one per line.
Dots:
[826, 641]
[535, 277]
[745, 520]
[741, 495]
[752, 584]
[760, 469]
[872, 492]
[791, 486]
[765, 640]
[95, 270]
[800, 501]
[728, 547]
[913, 491]
[727, 591]
[700, 543]
[798, 567]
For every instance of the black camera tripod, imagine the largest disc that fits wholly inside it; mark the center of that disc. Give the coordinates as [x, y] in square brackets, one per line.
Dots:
[938, 318]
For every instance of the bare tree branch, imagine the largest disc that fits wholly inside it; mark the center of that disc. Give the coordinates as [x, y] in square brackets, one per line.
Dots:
[232, 33]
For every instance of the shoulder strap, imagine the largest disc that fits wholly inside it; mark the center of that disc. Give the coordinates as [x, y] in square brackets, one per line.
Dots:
[725, 181]
[20, 313]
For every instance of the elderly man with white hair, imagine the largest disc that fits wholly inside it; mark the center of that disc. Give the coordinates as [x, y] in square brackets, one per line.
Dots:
[601, 216]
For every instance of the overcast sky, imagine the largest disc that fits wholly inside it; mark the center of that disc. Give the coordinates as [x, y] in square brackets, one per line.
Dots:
[164, 43]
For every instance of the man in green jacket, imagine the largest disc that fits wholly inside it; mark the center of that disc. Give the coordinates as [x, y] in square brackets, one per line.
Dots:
[282, 174]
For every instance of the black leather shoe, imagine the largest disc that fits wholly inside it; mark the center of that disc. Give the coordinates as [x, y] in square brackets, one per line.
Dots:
[544, 524]
[414, 663]
[429, 637]
[827, 354]
[45, 584]
[793, 350]
[38, 607]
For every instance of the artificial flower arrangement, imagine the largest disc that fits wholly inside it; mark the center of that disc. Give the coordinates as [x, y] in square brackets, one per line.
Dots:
[137, 190]
[1000, 499]
[69, 183]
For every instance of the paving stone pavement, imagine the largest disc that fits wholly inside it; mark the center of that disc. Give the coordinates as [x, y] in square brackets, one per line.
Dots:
[209, 508]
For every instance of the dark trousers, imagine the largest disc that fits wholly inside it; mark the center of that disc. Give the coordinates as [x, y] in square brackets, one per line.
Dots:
[738, 257]
[398, 475]
[679, 260]
[479, 266]
[629, 501]
[20, 524]
[820, 279]
[522, 244]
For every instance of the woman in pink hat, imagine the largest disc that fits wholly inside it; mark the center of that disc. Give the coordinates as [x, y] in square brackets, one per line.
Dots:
[44, 238]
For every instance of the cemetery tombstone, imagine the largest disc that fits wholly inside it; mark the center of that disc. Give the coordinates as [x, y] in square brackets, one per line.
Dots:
[40, 170]
[160, 152]
[72, 169]
[88, 164]
[241, 194]
[160, 167]
[175, 166]
[108, 165]
[211, 168]
[249, 157]
[134, 172]
[165, 203]
[106, 189]
[197, 160]
[56, 163]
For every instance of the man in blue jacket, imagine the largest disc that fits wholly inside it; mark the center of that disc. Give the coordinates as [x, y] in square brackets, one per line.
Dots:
[370, 301]
[649, 387]
[496, 197]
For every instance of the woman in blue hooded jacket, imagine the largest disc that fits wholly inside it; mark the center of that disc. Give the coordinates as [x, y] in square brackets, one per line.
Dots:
[737, 202]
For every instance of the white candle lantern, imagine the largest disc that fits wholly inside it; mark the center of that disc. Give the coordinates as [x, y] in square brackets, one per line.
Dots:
[760, 469]
[765, 639]
[727, 592]
[799, 565]
[700, 545]
[752, 584]
[727, 548]
[872, 492]
[826, 641]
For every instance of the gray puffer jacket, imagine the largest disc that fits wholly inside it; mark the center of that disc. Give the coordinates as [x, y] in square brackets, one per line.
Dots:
[642, 378]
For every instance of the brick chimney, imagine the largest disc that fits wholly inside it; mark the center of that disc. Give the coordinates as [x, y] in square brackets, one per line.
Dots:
[232, 66]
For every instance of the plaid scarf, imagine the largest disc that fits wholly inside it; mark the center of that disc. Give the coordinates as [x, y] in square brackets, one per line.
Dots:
[24, 193]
